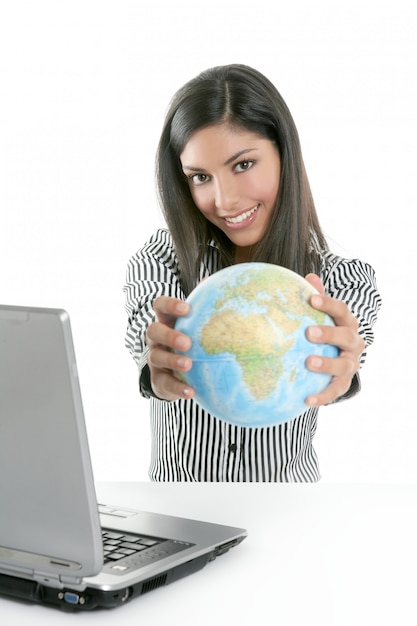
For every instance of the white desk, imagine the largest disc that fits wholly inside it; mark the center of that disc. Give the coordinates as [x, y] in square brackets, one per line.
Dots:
[328, 555]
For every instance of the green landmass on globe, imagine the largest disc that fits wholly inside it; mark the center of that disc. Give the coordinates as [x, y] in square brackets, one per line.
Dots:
[247, 323]
[255, 347]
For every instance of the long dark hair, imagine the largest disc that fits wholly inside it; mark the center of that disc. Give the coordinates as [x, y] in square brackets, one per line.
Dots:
[243, 97]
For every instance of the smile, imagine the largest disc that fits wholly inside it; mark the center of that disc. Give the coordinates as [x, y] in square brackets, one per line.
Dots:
[242, 217]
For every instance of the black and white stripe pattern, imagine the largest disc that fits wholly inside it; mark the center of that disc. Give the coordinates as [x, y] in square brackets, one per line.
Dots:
[188, 444]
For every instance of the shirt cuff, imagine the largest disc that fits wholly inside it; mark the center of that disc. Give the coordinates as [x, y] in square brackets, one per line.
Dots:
[355, 387]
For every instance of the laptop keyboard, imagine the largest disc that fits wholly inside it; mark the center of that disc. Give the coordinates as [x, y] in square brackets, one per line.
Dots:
[125, 552]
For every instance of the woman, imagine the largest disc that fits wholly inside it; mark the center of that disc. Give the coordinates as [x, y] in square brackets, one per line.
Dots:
[233, 188]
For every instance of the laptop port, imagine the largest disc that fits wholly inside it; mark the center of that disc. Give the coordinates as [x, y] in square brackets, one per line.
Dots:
[71, 598]
[225, 547]
[126, 595]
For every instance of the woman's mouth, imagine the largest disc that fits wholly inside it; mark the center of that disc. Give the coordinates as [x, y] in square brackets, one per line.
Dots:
[243, 218]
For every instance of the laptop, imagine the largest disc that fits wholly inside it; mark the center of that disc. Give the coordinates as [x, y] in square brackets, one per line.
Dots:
[58, 546]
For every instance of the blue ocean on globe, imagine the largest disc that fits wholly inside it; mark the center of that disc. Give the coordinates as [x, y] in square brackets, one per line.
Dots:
[247, 323]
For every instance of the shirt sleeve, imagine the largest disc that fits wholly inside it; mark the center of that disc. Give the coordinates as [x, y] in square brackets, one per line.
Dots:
[151, 272]
[353, 281]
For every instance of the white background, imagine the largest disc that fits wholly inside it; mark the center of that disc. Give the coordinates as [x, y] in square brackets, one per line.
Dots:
[84, 87]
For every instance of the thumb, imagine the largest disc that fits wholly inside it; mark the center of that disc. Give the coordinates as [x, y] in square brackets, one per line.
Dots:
[315, 281]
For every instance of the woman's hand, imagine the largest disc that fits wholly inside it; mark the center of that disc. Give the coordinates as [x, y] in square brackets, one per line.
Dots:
[344, 335]
[162, 340]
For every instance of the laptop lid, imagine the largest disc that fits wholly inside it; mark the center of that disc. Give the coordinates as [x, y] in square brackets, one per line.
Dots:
[49, 523]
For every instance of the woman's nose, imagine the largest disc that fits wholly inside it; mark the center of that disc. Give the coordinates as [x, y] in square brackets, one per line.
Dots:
[226, 194]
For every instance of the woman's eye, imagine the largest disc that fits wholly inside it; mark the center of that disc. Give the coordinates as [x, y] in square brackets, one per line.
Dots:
[243, 166]
[198, 179]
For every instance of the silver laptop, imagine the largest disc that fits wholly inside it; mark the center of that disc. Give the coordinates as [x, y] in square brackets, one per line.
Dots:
[57, 545]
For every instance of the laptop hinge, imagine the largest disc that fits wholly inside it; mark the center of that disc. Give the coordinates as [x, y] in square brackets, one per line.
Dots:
[58, 582]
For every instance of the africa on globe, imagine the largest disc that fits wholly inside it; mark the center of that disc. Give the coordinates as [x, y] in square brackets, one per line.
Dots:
[247, 324]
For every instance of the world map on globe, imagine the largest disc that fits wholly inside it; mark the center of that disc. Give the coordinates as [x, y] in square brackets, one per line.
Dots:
[247, 323]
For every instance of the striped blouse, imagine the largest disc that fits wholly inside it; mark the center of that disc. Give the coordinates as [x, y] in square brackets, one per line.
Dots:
[189, 444]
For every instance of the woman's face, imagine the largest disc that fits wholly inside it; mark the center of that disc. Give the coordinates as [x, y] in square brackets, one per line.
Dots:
[234, 177]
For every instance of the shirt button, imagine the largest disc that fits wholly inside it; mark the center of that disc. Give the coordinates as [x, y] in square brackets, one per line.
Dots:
[232, 447]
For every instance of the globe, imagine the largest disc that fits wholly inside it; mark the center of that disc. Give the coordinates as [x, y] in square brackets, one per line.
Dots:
[248, 327]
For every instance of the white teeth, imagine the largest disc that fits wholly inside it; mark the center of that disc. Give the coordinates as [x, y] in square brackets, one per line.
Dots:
[242, 217]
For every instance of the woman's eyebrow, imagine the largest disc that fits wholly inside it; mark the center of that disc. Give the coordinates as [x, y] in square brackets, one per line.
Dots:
[193, 169]
[238, 154]
[230, 160]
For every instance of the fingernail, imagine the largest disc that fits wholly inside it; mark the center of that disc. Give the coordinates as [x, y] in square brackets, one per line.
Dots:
[311, 401]
[182, 343]
[315, 332]
[316, 361]
[183, 363]
[316, 301]
[182, 307]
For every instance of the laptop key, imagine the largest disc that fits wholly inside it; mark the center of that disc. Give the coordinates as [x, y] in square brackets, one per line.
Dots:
[130, 538]
[115, 556]
[132, 546]
[148, 542]
[111, 535]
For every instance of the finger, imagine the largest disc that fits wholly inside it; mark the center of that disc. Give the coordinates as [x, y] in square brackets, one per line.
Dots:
[161, 334]
[167, 387]
[337, 309]
[168, 309]
[343, 366]
[316, 282]
[164, 360]
[343, 337]
[337, 387]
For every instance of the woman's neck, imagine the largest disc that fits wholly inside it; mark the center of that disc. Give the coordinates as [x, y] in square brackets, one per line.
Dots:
[243, 255]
